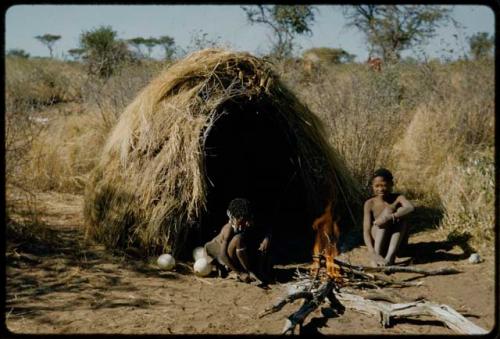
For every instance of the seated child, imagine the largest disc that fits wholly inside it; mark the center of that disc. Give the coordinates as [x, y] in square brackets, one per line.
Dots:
[384, 228]
[232, 247]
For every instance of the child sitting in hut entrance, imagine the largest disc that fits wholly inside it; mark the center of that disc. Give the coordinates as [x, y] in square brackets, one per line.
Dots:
[233, 248]
[385, 229]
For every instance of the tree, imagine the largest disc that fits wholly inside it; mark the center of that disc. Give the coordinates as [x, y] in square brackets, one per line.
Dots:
[168, 44]
[76, 53]
[19, 53]
[481, 45]
[48, 40]
[150, 43]
[286, 23]
[137, 43]
[328, 55]
[391, 29]
[103, 52]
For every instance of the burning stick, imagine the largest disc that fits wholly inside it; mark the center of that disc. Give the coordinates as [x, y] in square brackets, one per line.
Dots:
[325, 244]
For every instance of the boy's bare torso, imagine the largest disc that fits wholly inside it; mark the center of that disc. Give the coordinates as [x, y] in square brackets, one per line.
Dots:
[378, 204]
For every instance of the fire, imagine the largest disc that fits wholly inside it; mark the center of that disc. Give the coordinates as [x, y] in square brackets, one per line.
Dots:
[325, 243]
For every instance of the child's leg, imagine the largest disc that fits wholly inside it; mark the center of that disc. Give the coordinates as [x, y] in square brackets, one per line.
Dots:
[237, 252]
[378, 235]
[264, 267]
[397, 236]
[234, 243]
[212, 249]
[379, 238]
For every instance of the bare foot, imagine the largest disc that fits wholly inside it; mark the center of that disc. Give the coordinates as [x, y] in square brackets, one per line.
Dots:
[245, 277]
[233, 275]
[377, 260]
[388, 262]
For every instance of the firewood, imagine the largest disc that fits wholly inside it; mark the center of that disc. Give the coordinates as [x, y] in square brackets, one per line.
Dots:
[288, 299]
[310, 305]
[388, 311]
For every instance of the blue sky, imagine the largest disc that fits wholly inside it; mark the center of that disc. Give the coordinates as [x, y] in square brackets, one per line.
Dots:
[226, 23]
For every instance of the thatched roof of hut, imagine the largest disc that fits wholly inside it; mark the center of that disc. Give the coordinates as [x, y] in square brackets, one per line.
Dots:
[214, 126]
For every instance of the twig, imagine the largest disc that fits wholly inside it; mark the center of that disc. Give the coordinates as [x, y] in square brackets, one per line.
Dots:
[378, 280]
[288, 299]
[204, 281]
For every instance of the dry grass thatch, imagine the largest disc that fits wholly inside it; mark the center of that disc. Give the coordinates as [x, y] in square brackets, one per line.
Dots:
[150, 185]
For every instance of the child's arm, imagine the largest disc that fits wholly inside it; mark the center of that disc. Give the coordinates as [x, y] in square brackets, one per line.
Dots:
[264, 245]
[405, 208]
[367, 224]
[384, 217]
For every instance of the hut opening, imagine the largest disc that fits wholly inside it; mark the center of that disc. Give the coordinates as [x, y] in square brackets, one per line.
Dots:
[248, 154]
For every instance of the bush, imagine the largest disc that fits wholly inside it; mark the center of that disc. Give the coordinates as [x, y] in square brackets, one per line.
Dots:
[103, 52]
[41, 82]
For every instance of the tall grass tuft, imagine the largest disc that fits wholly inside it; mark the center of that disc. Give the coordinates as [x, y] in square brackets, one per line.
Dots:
[466, 190]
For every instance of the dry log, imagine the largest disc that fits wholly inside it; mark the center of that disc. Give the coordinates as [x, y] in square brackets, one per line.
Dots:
[310, 305]
[388, 311]
[288, 299]
[394, 269]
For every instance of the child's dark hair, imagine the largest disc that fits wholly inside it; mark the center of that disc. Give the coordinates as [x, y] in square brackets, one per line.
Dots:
[240, 208]
[384, 173]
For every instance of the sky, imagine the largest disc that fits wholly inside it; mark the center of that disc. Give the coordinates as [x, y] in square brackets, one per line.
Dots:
[224, 23]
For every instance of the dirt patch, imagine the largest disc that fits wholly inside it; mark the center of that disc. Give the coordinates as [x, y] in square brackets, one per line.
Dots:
[70, 286]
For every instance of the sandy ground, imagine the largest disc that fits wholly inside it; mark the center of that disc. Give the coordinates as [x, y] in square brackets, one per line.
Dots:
[71, 287]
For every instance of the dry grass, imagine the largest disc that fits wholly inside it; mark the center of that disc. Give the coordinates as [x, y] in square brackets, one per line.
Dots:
[466, 190]
[431, 124]
[42, 81]
[424, 122]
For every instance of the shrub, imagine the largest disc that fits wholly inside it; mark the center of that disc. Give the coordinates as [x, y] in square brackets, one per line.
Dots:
[103, 52]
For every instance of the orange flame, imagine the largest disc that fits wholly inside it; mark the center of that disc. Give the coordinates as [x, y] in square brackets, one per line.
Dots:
[325, 244]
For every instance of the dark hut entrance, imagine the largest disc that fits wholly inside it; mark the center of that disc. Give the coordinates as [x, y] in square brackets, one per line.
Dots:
[249, 154]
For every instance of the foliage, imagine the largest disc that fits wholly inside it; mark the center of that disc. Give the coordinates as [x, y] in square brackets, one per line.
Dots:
[165, 41]
[391, 29]
[168, 44]
[286, 23]
[481, 45]
[330, 55]
[76, 53]
[19, 53]
[137, 43]
[104, 53]
[150, 43]
[48, 40]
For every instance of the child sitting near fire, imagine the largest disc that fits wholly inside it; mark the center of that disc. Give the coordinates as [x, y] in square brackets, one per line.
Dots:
[384, 228]
[231, 249]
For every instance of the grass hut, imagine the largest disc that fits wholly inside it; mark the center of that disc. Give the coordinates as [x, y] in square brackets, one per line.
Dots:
[214, 126]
